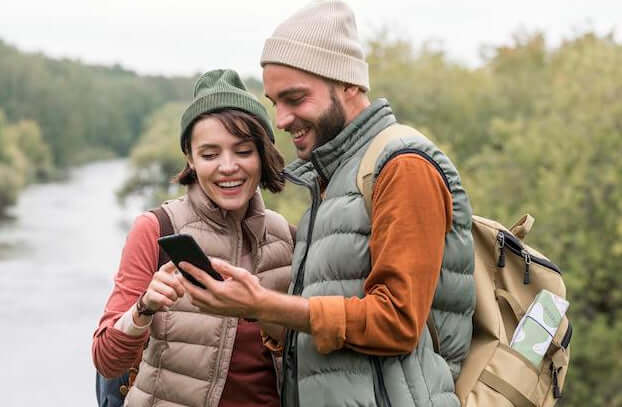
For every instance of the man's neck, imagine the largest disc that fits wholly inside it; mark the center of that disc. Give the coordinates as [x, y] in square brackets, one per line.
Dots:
[356, 106]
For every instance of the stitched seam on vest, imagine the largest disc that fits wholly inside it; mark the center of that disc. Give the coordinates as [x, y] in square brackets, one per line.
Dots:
[466, 275]
[423, 376]
[190, 343]
[336, 280]
[201, 379]
[332, 233]
[336, 371]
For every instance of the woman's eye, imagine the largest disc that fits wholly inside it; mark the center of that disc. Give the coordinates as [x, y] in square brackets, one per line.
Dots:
[245, 152]
[208, 156]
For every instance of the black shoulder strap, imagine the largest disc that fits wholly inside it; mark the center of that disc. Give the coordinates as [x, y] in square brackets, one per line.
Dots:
[166, 228]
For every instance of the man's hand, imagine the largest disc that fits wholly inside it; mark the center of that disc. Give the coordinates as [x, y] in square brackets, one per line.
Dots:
[241, 295]
[237, 296]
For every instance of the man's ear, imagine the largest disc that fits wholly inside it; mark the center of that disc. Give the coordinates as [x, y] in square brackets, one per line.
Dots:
[350, 91]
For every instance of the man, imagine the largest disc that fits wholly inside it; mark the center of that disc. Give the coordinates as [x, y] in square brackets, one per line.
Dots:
[362, 288]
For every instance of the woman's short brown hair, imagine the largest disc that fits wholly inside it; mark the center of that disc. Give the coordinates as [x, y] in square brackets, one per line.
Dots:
[246, 127]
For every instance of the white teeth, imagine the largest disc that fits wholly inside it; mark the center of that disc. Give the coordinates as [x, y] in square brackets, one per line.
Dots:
[300, 133]
[229, 184]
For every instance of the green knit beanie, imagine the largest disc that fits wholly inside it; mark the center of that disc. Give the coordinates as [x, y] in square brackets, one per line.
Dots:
[223, 89]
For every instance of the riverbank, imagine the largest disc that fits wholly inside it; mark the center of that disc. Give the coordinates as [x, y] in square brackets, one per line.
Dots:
[59, 250]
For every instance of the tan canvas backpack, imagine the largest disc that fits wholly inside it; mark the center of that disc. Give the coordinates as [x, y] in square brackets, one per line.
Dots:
[508, 276]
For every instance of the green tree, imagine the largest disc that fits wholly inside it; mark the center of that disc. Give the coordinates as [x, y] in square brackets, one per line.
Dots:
[157, 157]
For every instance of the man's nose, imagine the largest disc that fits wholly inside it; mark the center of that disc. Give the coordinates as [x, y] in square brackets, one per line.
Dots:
[284, 118]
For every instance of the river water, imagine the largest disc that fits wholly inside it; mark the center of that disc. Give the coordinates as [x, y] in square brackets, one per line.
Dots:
[58, 254]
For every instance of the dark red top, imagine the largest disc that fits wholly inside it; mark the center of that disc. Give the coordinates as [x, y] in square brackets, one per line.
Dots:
[251, 380]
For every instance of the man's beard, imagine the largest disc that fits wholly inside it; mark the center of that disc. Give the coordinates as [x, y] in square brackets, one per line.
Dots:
[331, 122]
[328, 125]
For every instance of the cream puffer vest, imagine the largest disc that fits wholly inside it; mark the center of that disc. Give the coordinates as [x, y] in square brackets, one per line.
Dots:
[187, 359]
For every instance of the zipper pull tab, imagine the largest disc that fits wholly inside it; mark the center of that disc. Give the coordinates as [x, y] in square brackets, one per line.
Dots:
[527, 258]
[557, 394]
[501, 240]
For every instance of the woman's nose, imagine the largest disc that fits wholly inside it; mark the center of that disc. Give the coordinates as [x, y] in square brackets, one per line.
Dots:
[228, 164]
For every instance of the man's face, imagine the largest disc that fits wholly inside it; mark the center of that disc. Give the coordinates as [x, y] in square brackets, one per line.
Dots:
[307, 106]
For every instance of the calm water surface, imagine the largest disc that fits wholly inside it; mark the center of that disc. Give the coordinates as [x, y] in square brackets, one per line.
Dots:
[59, 251]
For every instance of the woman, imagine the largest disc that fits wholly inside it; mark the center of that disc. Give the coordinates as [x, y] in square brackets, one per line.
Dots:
[195, 359]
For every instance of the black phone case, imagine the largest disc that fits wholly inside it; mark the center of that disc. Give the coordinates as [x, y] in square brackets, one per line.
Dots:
[181, 247]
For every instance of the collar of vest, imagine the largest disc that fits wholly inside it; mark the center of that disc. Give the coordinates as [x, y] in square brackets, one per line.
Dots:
[208, 211]
[326, 158]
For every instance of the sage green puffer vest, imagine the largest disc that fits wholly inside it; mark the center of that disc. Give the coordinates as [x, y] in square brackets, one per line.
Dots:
[331, 257]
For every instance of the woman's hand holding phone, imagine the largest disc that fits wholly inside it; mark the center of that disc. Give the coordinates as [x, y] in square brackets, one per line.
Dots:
[162, 292]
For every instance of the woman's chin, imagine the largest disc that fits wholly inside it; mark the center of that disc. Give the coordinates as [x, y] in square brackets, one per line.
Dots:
[233, 204]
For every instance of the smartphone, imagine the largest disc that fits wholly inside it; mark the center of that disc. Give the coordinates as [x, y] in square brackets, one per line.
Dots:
[181, 247]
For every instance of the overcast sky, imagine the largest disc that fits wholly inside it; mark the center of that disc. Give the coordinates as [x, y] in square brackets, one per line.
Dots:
[187, 36]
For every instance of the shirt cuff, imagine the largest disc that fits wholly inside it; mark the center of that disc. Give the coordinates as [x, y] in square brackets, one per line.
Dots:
[328, 322]
[126, 324]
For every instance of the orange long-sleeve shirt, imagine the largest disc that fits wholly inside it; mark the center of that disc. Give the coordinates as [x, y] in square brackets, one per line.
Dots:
[412, 210]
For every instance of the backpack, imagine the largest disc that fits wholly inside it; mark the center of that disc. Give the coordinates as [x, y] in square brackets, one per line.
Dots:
[508, 275]
[112, 392]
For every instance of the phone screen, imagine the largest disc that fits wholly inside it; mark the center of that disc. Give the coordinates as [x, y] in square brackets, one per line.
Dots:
[181, 247]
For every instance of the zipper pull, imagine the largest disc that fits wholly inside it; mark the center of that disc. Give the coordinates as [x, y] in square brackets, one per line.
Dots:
[527, 258]
[501, 240]
[557, 394]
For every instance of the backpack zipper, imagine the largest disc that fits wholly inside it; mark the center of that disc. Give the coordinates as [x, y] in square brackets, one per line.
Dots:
[509, 241]
[567, 336]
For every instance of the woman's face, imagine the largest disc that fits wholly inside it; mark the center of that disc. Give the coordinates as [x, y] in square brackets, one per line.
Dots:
[228, 168]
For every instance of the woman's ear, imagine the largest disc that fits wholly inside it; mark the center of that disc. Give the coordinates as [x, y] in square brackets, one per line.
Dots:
[189, 161]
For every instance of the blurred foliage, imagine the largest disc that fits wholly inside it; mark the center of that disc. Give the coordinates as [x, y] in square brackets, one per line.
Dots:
[157, 157]
[80, 107]
[65, 113]
[24, 158]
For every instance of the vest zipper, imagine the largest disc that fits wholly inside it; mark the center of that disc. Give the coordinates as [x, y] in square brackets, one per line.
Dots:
[290, 357]
[380, 391]
[509, 241]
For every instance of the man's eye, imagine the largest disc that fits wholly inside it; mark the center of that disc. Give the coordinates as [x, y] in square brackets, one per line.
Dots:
[295, 101]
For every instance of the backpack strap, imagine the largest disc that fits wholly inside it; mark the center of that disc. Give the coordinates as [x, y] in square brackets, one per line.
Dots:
[365, 184]
[522, 226]
[364, 177]
[166, 229]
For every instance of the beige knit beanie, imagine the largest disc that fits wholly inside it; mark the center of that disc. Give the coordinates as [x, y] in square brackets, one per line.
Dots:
[321, 39]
